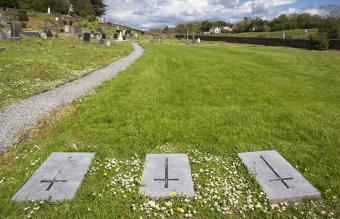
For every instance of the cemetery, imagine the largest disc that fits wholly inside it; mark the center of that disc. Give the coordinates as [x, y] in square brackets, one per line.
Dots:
[103, 120]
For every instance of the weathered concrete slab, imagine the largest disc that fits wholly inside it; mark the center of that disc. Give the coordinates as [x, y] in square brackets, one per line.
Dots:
[165, 174]
[57, 179]
[278, 179]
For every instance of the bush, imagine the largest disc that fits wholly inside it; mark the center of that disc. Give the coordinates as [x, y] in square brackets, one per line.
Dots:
[319, 41]
[24, 25]
[22, 16]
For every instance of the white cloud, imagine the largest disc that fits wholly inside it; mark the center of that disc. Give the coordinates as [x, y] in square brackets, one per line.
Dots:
[146, 14]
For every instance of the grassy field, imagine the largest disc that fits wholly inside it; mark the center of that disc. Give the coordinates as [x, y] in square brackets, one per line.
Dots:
[290, 34]
[211, 102]
[36, 65]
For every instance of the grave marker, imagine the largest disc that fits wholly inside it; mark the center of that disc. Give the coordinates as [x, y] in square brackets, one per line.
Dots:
[86, 37]
[15, 32]
[57, 179]
[278, 179]
[165, 174]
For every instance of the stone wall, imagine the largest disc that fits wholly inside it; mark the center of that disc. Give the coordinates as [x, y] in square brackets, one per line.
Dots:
[334, 44]
[295, 43]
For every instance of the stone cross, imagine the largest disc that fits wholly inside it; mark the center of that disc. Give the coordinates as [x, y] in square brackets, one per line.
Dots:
[54, 180]
[166, 178]
[273, 173]
[165, 175]
[57, 179]
[279, 178]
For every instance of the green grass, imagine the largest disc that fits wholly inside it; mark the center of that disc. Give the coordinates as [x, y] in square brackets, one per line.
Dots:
[217, 100]
[293, 34]
[37, 65]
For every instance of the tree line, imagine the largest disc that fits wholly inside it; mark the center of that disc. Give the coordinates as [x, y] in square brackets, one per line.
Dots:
[328, 22]
[81, 8]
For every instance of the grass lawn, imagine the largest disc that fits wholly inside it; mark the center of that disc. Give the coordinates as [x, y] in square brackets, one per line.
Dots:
[211, 102]
[290, 34]
[37, 65]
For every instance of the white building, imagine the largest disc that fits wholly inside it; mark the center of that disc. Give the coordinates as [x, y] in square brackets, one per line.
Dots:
[215, 30]
[227, 29]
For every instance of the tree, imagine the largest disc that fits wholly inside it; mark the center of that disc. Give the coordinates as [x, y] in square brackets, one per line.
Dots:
[331, 24]
[9, 3]
[99, 7]
[83, 8]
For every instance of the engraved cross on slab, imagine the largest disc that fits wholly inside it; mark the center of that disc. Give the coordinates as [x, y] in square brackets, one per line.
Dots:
[166, 178]
[57, 179]
[173, 170]
[279, 177]
[54, 180]
[266, 165]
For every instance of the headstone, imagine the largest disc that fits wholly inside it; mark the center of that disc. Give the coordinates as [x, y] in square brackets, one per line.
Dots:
[278, 179]
[103, 35]
[48, 33]
[120, 38]
[92, 36]
[165, 175]
[198, 40]
[108, 43]
[16, 29]
[124, 32]
[49, 10]
[86, 37]
[98, 37]
[5, 35]
[67, 28]
[43, 35]
[57, 179]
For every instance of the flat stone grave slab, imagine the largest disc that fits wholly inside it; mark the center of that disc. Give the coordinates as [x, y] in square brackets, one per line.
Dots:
[165, 175]
[279, 180]
[57, 179]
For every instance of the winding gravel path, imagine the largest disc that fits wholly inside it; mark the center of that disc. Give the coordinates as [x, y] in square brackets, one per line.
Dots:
[26, 113]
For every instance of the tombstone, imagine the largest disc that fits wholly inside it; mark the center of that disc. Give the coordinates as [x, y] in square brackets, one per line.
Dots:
[120, 38]
[86, 37]
[103, 35]
[124, 32]
[5, 35]
[57, 179]
[193, 39]
[16, 29]
[92, 36]
[49, 10]
[198, 40]
[278, 179]
[43, 35]
[67, 28]
[98, 37]
[48, 33]
[165, 175]
[108, 43]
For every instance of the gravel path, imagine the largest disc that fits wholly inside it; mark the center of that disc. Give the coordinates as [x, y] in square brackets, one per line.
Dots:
[25, 114]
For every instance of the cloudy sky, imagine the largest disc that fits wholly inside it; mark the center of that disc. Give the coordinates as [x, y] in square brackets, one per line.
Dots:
[148, 14]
